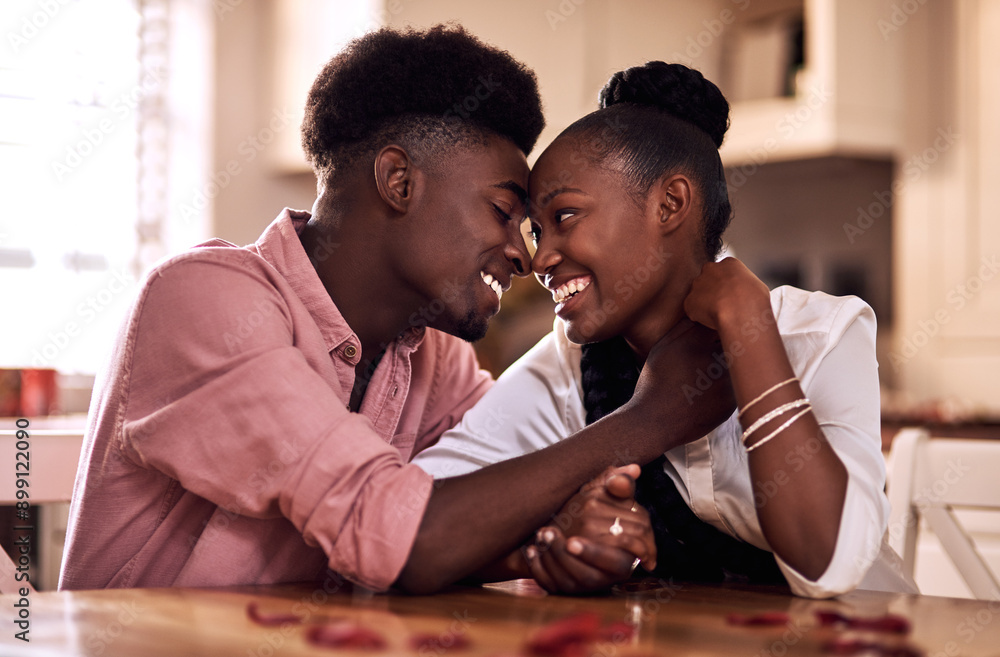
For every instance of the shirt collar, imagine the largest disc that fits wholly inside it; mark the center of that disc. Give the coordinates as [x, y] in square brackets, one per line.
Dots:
[280, 246]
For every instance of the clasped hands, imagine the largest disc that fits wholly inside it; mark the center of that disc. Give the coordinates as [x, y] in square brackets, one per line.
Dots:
[597, 539]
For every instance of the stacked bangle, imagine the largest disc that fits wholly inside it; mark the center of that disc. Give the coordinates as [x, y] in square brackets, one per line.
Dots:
[765, 394]
[788, 423]
[767, 417]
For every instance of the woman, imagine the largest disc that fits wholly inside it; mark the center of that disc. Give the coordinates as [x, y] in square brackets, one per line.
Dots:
[629, 207]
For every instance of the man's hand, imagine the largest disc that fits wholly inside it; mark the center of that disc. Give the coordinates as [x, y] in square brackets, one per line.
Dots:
[689, 364]
[726, 292]
[595, 539]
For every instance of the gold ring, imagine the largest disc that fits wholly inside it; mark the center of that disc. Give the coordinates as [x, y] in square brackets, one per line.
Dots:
[635, 564]
[616, 527]
[635, 507]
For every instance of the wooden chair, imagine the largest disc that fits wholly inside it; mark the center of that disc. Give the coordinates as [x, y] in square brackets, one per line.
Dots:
[931, 478]
[53, 459]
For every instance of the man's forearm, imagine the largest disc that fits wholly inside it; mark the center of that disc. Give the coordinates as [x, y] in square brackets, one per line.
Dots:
[512, 566]
[476, 519]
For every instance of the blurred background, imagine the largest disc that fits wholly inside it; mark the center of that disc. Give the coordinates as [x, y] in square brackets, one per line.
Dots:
[863, 148]
[860, 156]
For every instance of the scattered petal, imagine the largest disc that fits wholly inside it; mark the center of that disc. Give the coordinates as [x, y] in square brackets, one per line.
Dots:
[827, 618]
[889, 623]
[566, 636]
[344, 634]
[269, 620]
[766, 618]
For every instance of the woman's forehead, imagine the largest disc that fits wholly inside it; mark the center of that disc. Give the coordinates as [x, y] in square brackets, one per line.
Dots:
[567, 160]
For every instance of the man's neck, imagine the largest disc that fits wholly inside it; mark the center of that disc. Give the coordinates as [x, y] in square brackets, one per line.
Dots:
[345, 256]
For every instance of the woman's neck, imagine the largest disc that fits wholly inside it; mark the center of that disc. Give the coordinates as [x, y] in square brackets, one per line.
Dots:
[663, 313]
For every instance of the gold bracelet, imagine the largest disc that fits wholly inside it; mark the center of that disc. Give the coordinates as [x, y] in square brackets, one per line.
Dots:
[781, 410]
[765, 394]
[779, 429]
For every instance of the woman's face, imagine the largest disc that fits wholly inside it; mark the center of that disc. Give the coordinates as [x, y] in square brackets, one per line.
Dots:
[605, 259]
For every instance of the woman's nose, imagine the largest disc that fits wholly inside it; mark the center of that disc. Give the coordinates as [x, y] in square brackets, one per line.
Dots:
[546, 257]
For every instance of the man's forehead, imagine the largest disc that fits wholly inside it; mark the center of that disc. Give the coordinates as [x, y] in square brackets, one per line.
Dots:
[516, 188]
[499, 160]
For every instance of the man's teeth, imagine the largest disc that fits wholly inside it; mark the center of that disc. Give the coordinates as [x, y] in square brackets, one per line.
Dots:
[493, 283]
[567, 290]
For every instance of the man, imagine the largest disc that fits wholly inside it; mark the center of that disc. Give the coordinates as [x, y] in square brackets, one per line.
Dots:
[256, 419]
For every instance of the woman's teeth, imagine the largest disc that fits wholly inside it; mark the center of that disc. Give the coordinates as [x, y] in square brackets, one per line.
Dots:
[566, 290]
[493, 283]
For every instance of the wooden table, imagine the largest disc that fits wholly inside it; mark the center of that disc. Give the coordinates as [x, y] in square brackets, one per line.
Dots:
[497, 620]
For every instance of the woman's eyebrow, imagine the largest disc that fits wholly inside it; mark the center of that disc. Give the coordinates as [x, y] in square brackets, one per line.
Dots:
[556, 192]
[511, 186]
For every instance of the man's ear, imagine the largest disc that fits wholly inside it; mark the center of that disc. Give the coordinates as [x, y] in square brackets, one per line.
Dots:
[672, 202]
[395, 173]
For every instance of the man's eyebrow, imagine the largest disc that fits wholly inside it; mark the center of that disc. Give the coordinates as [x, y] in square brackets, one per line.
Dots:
[511, 186]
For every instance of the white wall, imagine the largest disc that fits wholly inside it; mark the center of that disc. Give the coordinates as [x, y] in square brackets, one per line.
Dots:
[244, 110]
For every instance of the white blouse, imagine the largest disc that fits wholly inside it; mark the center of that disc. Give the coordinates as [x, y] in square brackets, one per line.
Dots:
[831, 345]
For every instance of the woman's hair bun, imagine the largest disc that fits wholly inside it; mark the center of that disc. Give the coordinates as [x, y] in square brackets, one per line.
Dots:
[681, 91]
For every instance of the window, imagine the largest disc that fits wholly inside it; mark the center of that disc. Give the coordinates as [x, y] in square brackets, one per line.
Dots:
[85, 168]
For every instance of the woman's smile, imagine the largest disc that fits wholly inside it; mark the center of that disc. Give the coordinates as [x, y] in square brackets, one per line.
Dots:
[567, 295]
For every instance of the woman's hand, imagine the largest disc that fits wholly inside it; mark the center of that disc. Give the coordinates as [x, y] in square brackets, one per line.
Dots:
[726, 291]
[595, 539]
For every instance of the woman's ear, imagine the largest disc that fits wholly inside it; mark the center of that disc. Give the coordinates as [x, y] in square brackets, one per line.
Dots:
[395, 172]
[672, 202]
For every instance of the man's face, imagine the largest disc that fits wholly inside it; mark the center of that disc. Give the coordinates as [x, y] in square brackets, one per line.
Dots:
[462, 242]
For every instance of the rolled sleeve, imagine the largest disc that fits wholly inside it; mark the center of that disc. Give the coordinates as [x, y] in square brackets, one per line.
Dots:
[845, 398]
[250, 422]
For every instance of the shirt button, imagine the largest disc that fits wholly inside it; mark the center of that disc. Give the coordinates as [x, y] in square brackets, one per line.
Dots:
[350, 351]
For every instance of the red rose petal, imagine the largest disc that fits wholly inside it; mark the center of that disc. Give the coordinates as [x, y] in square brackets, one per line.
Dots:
[344, 635]
[269, 620]
[766, 618]
[828, 618]
[889, 623]
[565, 636]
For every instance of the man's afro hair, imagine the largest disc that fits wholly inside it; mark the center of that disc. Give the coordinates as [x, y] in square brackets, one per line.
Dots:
[386, 79]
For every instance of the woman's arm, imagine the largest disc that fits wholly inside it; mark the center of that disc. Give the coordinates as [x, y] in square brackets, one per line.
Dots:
[801, 520]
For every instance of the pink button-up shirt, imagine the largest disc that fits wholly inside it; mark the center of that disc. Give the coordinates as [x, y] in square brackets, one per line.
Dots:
[220, 449]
